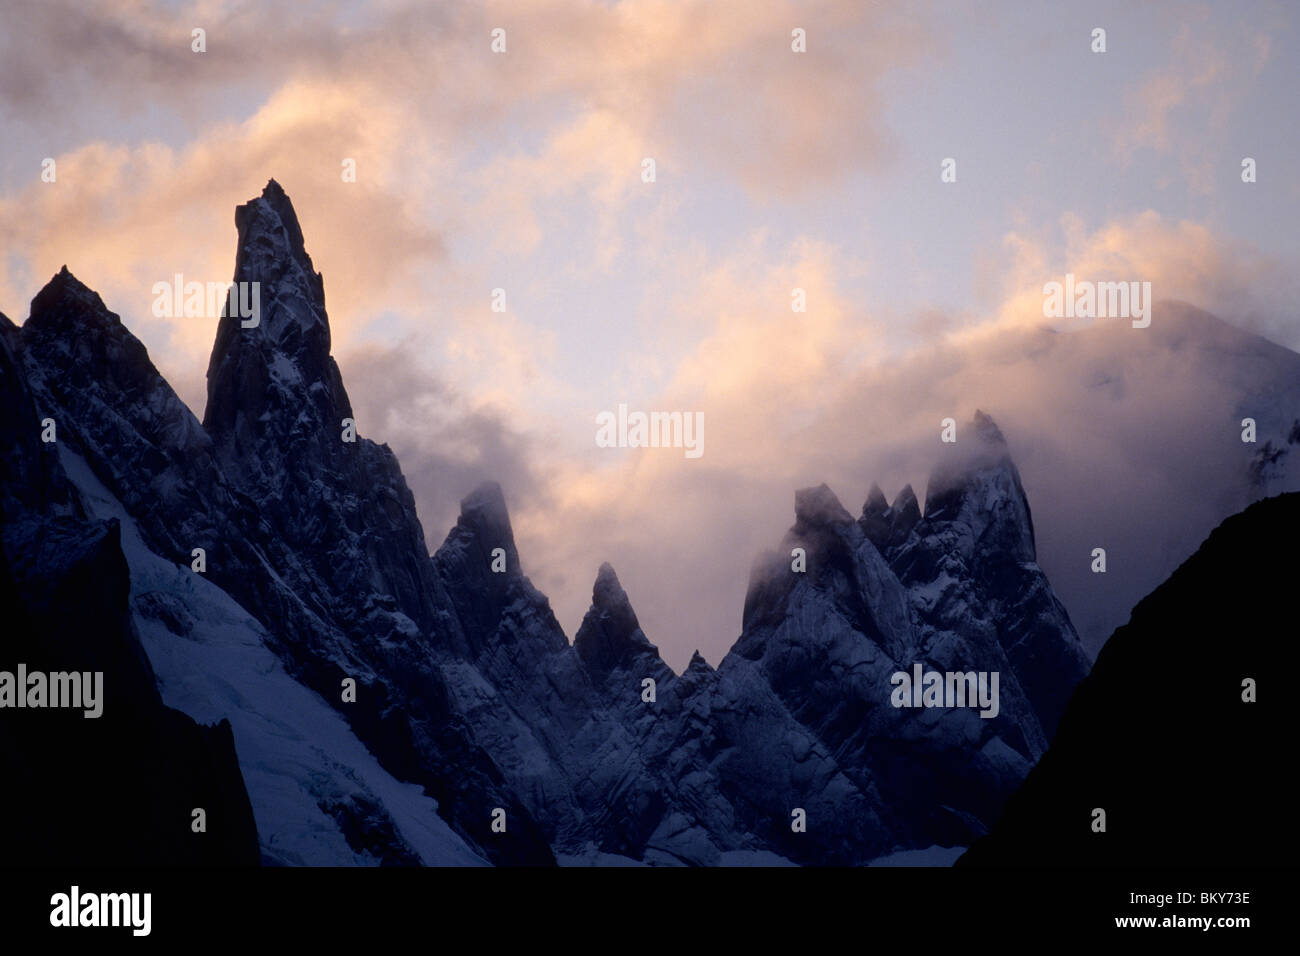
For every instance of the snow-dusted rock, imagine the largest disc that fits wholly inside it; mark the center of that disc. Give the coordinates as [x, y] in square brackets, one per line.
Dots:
[470, 696]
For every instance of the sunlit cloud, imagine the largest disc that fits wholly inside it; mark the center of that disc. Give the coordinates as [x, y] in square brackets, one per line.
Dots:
[774, 170]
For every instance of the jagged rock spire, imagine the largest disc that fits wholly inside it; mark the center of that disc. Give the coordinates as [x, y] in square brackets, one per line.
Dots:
[875, 503]
[905, 503]
[485, 518]
[610, 637]
[876, 516]
[980, 485]
[818, 507]
[65, 306]
[905, 514]
[470, 552]
[478, 564]
[276, 361]
[698, 662]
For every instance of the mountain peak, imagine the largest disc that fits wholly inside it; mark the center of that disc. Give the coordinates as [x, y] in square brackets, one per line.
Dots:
[271, 252]
[65, 301]
[905, 498]
[987, 430]
[980, 447]
[485, 508]
[273, 191]
[607, 593]
[818, 507]
[610, 636]
[484, 516]
[876, 517]
[268, 362]
[906, 515]
[875, 503]
[270, 218]
[698, 674]
[979, 484]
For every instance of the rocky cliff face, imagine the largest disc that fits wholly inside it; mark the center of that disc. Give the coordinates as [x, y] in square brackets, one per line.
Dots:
[315, 536]
[954, 591]
[1164, 737]
[119, 788]
[316, 572]
[613, 750]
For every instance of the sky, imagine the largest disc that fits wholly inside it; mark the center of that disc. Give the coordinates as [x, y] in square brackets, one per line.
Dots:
[774, 170]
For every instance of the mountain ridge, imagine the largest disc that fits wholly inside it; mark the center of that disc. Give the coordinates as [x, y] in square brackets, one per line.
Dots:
[465, 683]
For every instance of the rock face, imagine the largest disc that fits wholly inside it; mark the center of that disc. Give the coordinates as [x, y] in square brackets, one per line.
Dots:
[466, 686]
[1184, 767]
[317, 539]
[955, 591]
[612, 751]
[120, 788]
[970, 566]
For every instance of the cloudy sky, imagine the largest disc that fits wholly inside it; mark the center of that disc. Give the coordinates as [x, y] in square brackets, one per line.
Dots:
[774, 170]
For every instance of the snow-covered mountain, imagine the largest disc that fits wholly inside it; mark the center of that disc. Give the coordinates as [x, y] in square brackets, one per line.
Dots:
[478, 732]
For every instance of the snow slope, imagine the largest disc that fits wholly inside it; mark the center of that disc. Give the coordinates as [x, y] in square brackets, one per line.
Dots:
[309, 779]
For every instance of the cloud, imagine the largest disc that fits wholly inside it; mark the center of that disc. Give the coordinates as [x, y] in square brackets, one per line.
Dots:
[123, 218]
[523, 171]
[446, 444]
[517, 154]
[129, 57]
[1181, 259]
[1197, 67]
[1127, 438]
[1182, 109]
